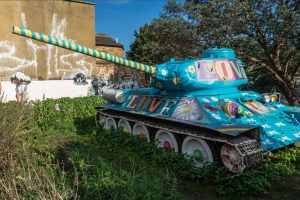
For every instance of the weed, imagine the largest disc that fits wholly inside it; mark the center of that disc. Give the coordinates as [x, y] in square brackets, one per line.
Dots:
[21, 177]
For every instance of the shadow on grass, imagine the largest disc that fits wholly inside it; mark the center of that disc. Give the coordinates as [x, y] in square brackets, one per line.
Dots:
[85, 125]
[108, 171]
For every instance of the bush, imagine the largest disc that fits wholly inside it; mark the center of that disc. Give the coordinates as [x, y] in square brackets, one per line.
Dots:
[67, 115]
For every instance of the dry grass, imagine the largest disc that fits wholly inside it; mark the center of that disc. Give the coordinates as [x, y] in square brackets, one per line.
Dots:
[21, 175]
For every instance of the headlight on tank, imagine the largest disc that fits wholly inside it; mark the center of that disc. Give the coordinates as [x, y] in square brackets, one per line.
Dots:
[115, 96]
[270, 97]
[274, 97]
[120, 97]
[266, 98]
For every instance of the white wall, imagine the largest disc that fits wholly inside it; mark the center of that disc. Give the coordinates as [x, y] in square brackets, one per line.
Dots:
[47, 89]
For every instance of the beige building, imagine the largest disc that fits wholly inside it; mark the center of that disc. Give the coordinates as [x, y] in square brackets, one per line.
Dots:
[66, 19]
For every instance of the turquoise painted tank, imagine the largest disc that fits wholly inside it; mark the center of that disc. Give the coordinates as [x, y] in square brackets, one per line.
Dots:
[195, 107]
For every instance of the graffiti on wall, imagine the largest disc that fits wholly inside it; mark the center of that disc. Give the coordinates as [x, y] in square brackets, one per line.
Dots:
[63, 66]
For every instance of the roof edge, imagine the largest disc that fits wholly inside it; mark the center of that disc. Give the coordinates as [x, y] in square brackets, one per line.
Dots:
[111, 45]
[80, 1]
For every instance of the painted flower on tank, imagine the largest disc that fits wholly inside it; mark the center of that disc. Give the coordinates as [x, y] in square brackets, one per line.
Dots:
[205, 100]
[216, 116]
[214, 99]
[164, 72]
[188, 109]
[192, 69]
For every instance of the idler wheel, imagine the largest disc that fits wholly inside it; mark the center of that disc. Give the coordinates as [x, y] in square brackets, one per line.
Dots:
[141, 131]
[232, 159]
[100, 120]
[124, 125]
[198, 149]
[166, 140]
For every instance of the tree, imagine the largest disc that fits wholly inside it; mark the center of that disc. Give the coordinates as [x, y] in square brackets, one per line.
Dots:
[264, 33]
[165, 38]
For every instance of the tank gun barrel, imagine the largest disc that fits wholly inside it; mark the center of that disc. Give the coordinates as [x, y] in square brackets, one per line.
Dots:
[82, 49]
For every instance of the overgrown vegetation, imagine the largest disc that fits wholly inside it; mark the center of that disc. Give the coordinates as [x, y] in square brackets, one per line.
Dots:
[21, 175]
[53, 151]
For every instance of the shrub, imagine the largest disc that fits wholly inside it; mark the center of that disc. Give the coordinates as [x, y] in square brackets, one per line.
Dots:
[21, 177]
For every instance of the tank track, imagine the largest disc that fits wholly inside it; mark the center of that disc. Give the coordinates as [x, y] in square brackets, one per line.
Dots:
[248, 149]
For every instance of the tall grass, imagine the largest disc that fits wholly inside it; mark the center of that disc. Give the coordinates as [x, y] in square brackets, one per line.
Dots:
[21, 176]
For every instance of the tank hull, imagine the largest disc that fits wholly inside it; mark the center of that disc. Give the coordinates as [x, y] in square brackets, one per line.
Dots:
[206, 116]
[277, 127]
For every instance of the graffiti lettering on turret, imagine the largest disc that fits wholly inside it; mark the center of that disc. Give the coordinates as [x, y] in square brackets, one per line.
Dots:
[223, 70]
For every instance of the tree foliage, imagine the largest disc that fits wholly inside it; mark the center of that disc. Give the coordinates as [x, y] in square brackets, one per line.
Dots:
[264, 34]
[165, 38]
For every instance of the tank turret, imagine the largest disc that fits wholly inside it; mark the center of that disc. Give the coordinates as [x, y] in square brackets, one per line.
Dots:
[216, 68]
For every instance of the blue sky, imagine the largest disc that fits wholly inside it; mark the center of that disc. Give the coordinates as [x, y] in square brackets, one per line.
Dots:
[120, 18]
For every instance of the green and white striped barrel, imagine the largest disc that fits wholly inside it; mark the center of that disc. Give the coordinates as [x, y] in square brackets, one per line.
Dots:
[82, 49]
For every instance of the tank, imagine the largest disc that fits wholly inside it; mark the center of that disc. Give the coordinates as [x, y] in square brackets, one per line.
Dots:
[194, 107]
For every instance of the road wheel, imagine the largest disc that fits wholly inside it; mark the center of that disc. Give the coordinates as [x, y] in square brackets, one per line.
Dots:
[198, 149]
[141, 131]
[166, 140]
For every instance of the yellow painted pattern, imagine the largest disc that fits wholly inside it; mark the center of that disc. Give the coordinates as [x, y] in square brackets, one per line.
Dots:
[131, 64]
[147, 68]
[67, 45]
[102, 55]
[28, 33]
[73, 46]
[45, 38]
[53, 40]
[37, 36]
[17, 30]
[91, 52]
[59, 43]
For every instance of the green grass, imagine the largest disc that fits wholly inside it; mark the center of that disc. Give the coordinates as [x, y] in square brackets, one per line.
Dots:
[98, 164]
